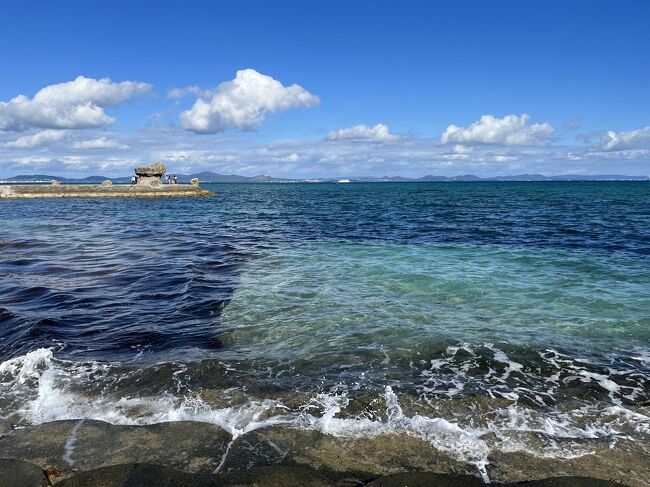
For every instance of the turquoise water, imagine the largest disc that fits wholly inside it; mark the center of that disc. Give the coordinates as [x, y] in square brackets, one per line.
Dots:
[318, 298]
[340, 308]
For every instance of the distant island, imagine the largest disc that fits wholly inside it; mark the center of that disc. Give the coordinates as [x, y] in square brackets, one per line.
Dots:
[212, 177]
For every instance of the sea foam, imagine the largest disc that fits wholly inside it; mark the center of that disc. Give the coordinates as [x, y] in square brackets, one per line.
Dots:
[38, 387]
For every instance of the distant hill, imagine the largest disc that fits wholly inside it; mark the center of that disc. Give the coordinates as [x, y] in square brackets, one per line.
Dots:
[46, 178]
[212, 177]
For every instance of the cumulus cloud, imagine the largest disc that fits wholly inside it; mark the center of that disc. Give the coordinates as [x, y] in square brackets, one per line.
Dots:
[620, 140]
[44, 137]
[71, 105]
[243, 103]
[509, 130]
[377, 133]
[99, 143]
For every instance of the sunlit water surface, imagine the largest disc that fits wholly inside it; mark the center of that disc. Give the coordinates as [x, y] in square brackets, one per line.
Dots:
[467, 314]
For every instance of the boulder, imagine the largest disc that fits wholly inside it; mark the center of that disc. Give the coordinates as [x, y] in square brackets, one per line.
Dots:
[351, 461]
[66, 446]
[139, 475]
[426, 479]
[194, 182]
[276, 477]
[154, 170]
[107, 184]
[54, 182]
[147, 474]
[18, 473]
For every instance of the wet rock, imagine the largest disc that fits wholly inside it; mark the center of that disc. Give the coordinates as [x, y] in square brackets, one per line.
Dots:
[139, 475]
[86, 444]
[569, 482]
[348, 460]
[5, 426]
[624, 462]
[42, 445]
[426, 479]
[142, 475]
[17, 473]
[276, 477]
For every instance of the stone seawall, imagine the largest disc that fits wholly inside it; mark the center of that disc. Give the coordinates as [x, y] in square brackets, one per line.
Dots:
[102, 191]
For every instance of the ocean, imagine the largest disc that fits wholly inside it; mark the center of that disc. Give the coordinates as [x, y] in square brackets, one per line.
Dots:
[485, 318]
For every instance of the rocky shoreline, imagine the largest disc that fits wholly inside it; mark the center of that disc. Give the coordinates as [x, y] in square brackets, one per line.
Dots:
[84, 453]
[31, 191]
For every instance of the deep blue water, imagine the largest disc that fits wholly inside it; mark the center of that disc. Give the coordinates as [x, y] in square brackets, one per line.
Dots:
[103, 276]
[537, 294]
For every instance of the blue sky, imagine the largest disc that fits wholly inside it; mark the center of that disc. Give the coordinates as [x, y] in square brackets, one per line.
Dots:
[313, 89]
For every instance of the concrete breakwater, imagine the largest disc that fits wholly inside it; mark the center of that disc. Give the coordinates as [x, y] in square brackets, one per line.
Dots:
[102, 191]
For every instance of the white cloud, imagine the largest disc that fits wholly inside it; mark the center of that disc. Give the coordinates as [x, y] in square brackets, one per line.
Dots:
[503, 158]
[44, 137]
[99, 143]
[71, 105]
[243, 103]
[509, 130]
[377, 133]
[293, 157]
[184, 153]
[625, 139]
[459, 152]
[462, 149]
[176, 93]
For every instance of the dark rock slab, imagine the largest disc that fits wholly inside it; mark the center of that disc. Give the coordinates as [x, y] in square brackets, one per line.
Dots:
[429, 479]
[17, 473]
[147, 474]
[280, 476]
[627, 463]
[43, 445]
[426, 479]
[68, 446]
[349, 461]
[139, 475]
[568, 482]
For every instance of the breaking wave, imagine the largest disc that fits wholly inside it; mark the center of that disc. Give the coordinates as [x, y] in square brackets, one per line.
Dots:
[38, 387]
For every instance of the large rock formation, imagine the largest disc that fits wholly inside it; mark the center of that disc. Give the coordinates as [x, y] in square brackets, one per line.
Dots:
[150, 175]
[156, 169]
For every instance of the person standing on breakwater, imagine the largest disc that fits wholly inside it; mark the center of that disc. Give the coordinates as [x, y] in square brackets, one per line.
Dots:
[174, 179]
[133, 180]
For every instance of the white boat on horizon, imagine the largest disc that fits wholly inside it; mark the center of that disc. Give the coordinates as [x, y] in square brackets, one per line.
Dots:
[343, 181]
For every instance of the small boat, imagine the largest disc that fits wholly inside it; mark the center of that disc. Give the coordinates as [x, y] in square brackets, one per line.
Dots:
[343, 181]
